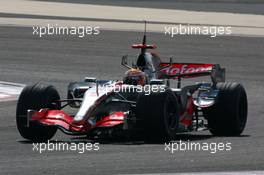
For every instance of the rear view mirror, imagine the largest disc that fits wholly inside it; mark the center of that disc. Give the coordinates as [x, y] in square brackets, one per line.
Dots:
[124, 62]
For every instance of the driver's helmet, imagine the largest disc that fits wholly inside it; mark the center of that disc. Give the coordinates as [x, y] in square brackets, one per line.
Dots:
[135, 77]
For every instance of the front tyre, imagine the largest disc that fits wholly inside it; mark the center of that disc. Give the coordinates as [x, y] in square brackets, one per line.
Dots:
[36, 97]
[160, 116]
[228, 116]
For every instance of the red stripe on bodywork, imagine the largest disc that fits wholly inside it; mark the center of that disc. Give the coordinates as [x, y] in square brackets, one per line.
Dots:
[115, 118]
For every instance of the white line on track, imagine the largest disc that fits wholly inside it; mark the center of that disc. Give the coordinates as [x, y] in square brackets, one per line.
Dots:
[208, 173]
[10, 91]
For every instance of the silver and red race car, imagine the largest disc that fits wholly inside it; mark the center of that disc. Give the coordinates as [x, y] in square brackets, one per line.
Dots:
[142, 104]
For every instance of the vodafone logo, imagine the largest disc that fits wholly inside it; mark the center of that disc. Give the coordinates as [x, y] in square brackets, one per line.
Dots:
[185, 69]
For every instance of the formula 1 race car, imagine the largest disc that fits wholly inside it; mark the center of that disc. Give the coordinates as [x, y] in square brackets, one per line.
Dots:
[142, 104]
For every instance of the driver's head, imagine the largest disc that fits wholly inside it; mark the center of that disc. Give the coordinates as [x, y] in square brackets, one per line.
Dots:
[135, 77]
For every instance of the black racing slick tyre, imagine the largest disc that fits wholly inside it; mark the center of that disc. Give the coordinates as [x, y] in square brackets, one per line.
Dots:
[160, 115]
[228, 116]
[36, 97]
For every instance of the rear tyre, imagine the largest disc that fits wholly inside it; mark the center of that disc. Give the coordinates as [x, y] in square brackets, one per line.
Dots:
[228, 116]
[160, 116]
[36, 97]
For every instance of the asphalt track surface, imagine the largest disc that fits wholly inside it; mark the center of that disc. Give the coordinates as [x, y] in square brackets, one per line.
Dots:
[28, 59]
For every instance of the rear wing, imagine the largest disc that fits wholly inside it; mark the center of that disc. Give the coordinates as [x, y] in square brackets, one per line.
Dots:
[190, 70]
